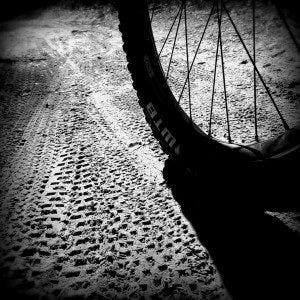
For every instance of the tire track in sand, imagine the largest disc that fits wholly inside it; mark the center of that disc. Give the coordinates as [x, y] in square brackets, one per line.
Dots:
[85, 214]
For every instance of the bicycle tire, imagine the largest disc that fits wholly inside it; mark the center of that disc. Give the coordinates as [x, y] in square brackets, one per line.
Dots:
[178, 135]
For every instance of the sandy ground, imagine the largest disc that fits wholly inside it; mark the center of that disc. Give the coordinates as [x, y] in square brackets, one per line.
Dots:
[84, 208]
[85, 211]
[277, 60]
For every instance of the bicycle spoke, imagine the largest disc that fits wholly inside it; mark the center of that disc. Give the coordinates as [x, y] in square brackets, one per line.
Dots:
[285, 125]
[168, 35]
[223, 71]
[195, 62]
[187, 58]
[254, 73]
[197, 50]
[174, 43]
[214, 83]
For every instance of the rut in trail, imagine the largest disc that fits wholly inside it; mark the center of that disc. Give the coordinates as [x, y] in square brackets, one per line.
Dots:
[84, 208]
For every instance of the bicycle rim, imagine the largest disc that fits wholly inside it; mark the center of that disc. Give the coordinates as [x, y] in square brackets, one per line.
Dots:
[169, 100]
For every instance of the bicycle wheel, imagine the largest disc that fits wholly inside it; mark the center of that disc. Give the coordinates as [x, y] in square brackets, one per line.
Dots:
[174, 52]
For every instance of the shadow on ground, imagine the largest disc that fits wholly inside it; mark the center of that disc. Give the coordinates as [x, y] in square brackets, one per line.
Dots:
[256, 254]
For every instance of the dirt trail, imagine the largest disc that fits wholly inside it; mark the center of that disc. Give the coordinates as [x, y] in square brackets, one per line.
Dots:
[84, 209]
[277, 61]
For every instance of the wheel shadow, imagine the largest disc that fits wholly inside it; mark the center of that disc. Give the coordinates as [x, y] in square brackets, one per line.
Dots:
[255, 253]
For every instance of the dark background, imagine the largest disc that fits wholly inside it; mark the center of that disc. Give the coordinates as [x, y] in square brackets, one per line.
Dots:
[16, 7]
